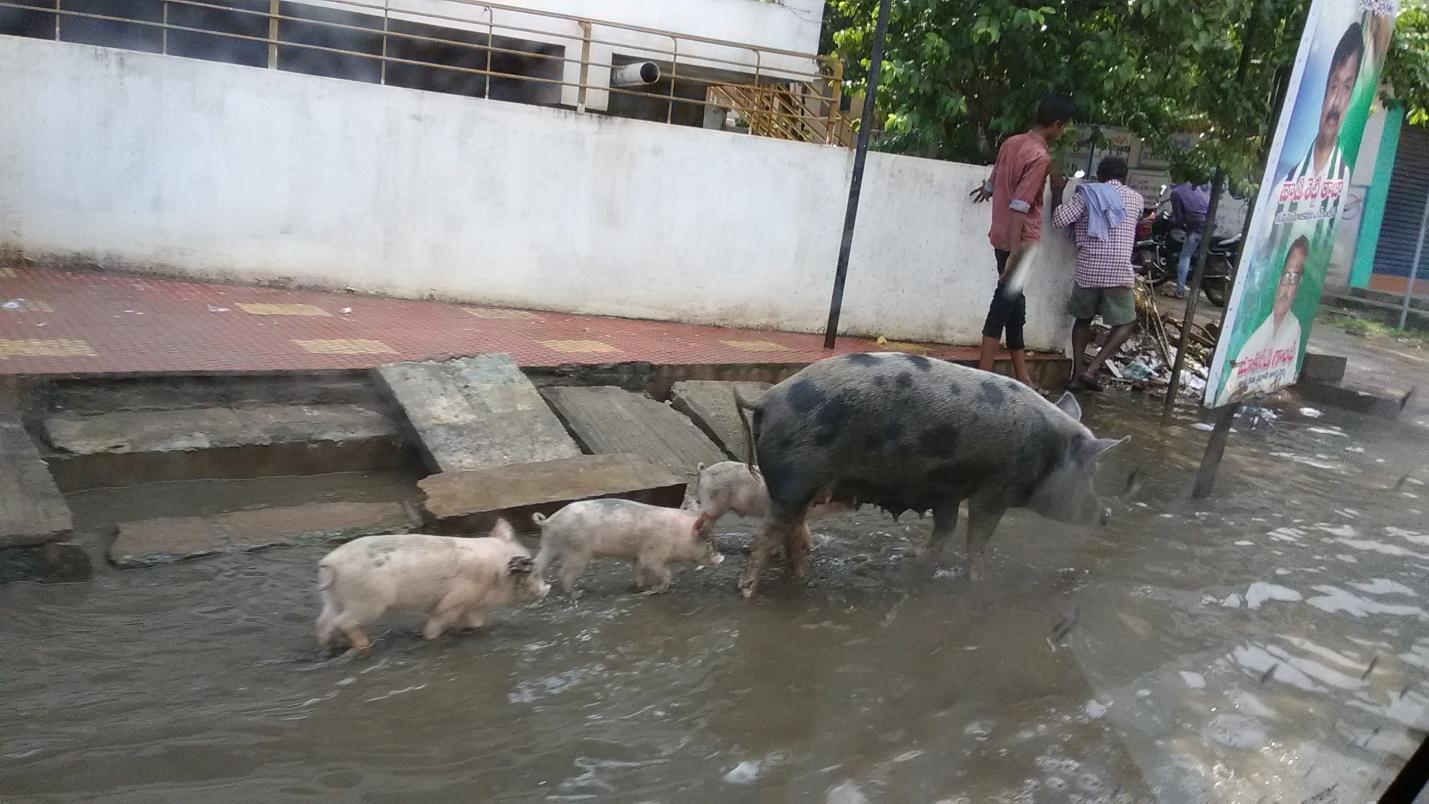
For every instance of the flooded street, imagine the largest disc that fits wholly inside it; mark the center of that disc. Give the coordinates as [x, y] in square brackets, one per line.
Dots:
[1269, 645]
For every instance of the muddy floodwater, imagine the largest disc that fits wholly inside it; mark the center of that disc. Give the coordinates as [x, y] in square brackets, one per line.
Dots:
[1270, 645]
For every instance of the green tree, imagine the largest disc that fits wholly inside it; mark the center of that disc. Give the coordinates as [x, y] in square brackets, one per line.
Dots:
[1406, 70]
[961, 76]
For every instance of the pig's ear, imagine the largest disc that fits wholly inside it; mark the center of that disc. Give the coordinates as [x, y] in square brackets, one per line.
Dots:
[520, 565]
[503, 530]
[1069, 405]
[1090, 449]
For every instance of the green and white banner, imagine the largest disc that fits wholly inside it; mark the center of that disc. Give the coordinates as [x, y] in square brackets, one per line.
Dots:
[1287, 252]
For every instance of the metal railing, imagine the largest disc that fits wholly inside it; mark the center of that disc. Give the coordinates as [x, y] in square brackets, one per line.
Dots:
[774, 92]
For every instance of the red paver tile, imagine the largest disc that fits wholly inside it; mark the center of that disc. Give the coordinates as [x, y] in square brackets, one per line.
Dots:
[138, 325]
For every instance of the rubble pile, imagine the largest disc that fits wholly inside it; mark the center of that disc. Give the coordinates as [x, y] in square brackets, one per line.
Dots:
[1145, 360]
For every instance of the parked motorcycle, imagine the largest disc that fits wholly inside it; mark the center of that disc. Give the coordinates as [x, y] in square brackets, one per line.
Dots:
[1158, 248]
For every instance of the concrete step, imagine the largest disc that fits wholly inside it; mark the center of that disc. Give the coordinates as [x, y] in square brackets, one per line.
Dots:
[161, 541]
[1377, 309]
[32, 511]
[144, 446]
[610, 421]
[475, 412]
[1416, 302]
[171, 392]
[710, 405]
[470, 501]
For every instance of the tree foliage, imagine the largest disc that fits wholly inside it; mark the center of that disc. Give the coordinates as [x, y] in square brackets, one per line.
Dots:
[960, 76]
[1406, 71]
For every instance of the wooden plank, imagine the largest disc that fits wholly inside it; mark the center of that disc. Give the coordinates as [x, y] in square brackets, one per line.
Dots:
[32, 510]
[476, 412]
[456, 497]
[610, 420]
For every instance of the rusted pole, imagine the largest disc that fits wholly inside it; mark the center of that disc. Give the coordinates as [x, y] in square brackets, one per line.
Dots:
[860, 156]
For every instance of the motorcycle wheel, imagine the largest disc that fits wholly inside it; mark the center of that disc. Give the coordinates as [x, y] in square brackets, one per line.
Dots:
[1216, 288]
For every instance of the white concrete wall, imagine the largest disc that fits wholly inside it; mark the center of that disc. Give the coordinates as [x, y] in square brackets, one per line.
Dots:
[145, 162]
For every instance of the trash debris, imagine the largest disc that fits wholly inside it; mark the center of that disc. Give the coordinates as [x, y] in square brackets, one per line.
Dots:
[345, 310]
[213, 309]
[1311, 413]
[14, 304]
[1204, 427]
[1145, 360]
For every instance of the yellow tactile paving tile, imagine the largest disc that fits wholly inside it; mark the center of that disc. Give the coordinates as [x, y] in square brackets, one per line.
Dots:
[260, 308]
[26, 306]
[8, 273]
[345, 346]
[45, 347]
[756, 346]
[578, 347]
[499, 313]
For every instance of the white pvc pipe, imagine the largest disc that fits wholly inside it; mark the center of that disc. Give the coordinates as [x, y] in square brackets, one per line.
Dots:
[635, 74]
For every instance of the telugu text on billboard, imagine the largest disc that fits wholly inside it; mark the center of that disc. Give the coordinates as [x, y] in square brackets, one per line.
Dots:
[1287, 252]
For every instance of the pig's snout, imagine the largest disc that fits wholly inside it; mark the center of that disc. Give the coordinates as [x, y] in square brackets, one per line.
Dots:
[714, 559]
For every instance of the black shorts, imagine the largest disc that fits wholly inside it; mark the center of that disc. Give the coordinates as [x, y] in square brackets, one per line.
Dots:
[1008, 310]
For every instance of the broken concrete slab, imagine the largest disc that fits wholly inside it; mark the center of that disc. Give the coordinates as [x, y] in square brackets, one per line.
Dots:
[607, 420]
[710, 405]
[133, 431]
[124, 447]
[32, 511]
[1323, 368]
[161, 541]
[475, 412]
[470, 501]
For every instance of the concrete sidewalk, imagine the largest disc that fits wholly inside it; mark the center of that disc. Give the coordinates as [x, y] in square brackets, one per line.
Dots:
[69, 323]
[1385, 368]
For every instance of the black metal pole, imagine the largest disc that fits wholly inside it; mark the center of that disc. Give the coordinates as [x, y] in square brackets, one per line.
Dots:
[860, 155]
[1215, 450]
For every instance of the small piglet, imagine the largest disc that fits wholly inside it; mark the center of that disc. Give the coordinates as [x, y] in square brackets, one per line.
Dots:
[733, 486]
[454, 580]
[648, 535]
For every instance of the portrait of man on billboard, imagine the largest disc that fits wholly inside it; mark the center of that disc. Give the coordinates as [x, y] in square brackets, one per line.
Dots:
[1270, 356]
[1313, 188]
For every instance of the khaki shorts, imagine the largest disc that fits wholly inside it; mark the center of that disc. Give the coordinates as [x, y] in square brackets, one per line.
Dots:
[1116, 305]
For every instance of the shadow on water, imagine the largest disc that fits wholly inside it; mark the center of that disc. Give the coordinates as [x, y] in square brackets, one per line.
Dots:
[1269, 644]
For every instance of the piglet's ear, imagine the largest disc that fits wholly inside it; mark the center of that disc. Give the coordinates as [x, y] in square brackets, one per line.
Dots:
[520, 565]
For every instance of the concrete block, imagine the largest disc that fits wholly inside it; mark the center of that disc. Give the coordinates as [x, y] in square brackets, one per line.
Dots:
[1323, 368]
[608, 420]
[137, 431]
[129, 446]
[470, 501]
[475, 412]
[710, 405]
[32, 511]
[161, 541]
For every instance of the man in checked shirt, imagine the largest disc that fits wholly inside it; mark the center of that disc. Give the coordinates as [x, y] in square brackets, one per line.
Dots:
[1103, 218]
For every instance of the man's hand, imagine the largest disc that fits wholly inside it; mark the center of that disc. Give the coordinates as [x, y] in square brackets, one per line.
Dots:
[982, 192]
[1059, 182]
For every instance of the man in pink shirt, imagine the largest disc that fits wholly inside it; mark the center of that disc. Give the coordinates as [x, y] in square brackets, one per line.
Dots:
[1017, 187]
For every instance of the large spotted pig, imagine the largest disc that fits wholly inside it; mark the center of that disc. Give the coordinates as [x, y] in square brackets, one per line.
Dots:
[906, 432]
[452, 580]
